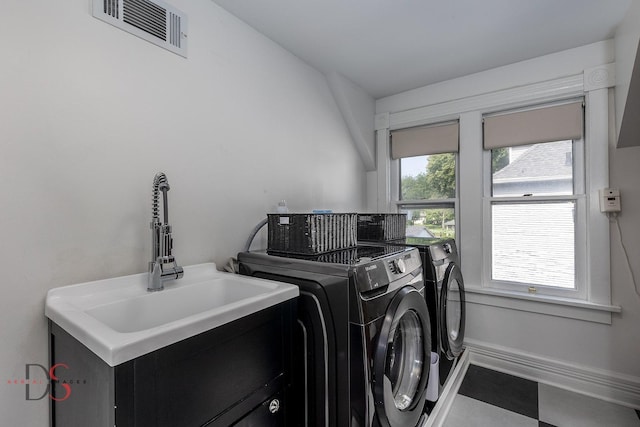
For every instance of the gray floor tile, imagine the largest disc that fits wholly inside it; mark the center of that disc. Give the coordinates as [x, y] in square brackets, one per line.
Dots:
[468, 412]
[567, 409]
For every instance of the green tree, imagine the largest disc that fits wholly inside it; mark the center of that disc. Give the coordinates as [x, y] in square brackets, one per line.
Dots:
[499, 159]
[438, 217]
[438, 181]
[414, 187]
[441, 176]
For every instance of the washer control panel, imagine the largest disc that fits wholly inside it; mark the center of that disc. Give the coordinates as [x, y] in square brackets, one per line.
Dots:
[379, 273]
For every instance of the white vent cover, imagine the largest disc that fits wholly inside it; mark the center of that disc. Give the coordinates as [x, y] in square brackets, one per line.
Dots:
[152, 20]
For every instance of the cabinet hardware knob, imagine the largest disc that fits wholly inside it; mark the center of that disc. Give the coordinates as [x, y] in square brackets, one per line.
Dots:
[274, 406]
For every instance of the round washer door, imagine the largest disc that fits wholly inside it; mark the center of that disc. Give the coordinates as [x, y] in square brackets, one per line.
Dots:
[452, 312]
[401, 360]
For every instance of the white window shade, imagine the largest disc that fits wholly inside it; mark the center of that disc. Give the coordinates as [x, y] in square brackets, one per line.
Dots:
[556, 123]
[424, 140]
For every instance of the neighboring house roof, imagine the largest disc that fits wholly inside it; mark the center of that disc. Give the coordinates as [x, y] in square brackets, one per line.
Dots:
[540, 161]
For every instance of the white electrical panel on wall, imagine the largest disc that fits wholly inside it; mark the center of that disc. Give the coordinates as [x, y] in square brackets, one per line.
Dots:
[610, 200]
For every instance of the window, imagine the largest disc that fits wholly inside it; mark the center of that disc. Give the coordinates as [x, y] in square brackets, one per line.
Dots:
[536, 209]
[486, 130]
[426, 179]
[428, 188]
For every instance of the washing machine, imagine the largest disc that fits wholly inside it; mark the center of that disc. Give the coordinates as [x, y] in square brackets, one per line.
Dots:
[443, 274]
[445, 297]
[363, 333]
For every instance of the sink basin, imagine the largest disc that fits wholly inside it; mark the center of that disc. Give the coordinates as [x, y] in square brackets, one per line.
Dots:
[119, 320]
[155, 309]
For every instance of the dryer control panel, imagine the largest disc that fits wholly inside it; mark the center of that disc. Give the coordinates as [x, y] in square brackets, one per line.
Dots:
[381, 272]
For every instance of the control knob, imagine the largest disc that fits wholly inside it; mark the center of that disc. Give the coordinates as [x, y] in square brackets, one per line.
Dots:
[399, 265]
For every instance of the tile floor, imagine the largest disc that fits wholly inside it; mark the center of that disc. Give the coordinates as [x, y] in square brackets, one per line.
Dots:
[490, 398]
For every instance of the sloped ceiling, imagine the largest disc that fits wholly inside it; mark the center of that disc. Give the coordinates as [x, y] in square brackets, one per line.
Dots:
[390, 46]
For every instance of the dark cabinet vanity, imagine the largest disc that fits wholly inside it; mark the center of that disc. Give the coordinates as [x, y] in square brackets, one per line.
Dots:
[238, 374]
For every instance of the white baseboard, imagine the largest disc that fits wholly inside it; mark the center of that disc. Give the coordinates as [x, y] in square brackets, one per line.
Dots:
[605, 385]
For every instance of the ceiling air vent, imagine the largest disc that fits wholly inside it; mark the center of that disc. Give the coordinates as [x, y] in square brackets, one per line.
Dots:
[154, 21]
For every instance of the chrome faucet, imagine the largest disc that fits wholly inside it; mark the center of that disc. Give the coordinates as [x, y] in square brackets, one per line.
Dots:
[163, 265]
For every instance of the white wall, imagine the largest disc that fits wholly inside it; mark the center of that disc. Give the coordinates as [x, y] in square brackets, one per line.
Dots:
[614, 348]
[89, 114]
[358, 109]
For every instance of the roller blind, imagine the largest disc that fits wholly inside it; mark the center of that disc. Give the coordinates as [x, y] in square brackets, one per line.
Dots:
[424, 140]
[555, 123]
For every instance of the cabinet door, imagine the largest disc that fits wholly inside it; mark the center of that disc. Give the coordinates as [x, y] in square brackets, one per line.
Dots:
[214, 378]
[91, 396]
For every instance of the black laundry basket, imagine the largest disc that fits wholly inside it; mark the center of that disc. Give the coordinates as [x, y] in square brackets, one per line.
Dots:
[311, 234]
[379, 227]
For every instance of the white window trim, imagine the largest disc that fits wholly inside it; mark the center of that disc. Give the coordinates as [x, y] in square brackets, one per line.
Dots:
[469, 227]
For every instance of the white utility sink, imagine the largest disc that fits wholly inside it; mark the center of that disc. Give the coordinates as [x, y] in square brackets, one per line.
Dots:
[119, 320]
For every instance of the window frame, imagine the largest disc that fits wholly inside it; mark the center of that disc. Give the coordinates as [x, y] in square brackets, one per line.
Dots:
[468, 110]
[579, 197]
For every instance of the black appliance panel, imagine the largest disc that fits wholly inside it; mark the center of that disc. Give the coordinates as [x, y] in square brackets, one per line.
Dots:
[321, 350]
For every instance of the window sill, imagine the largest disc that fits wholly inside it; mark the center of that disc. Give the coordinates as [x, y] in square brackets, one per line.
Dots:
[542, 304]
